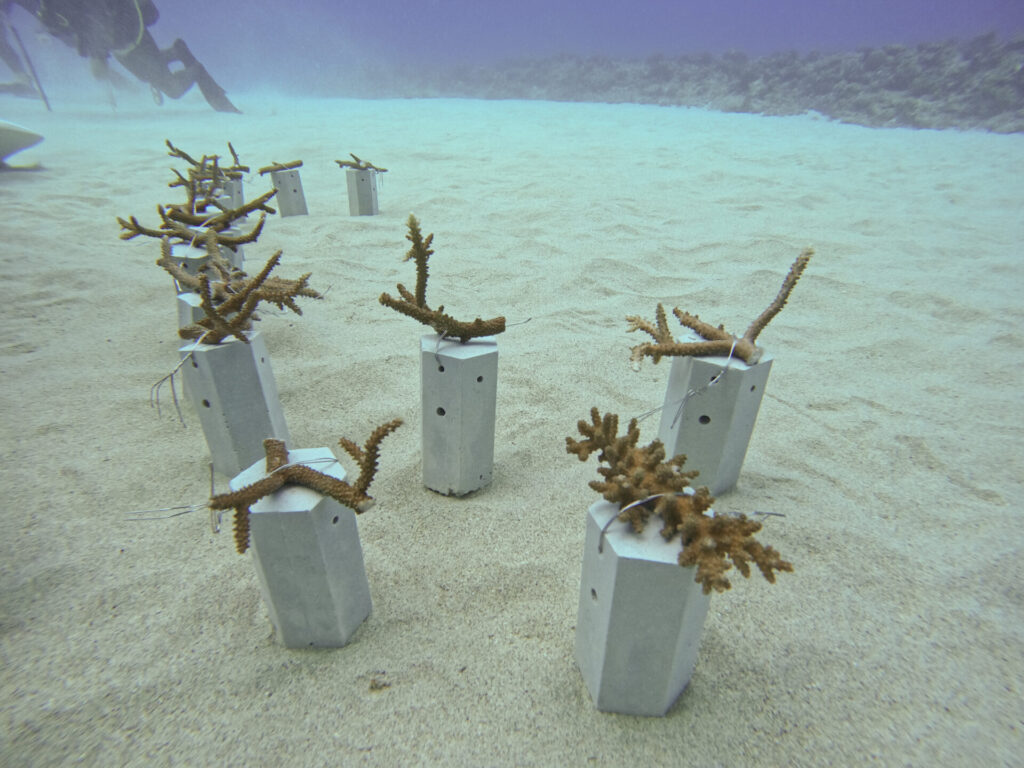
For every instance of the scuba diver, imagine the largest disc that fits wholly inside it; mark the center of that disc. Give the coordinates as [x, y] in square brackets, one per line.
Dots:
[118, 28]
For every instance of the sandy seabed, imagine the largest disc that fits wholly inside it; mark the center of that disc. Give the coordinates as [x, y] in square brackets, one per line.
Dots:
[889, 437]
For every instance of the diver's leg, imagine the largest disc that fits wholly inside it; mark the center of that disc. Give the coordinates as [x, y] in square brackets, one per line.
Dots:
[196, 72]
[151, 65]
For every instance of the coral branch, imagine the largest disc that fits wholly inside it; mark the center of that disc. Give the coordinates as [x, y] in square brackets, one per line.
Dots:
[230, 305]
[641, 479]
[415, 305]
[281, 473]
[359, 165]
[780, 301]
[275, 166]
[716, 340]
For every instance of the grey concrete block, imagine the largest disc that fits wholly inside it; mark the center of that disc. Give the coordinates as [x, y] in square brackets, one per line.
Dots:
[459, 390]
[716, 422]
[640, 620]
[308, 558]
[232, 388]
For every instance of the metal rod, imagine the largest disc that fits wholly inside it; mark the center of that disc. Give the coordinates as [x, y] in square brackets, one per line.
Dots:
[31, 67]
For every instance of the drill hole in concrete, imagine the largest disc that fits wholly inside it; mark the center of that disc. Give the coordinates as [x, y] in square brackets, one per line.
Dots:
[335, 520]
[440, 411]
[705, 419]
[479, 379]
[206, 403]
[440, 369]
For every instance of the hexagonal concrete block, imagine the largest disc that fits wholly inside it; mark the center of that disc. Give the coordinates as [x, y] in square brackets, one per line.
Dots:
[714, 426]
[640, 618]
[232, 387]
[362, 191]
[459, 390]
[308, 558]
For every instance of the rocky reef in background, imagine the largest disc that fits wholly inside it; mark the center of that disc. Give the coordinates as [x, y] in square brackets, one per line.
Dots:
[969, 85]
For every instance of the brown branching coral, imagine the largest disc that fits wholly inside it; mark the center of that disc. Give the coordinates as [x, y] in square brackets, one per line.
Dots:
[643, 483]
[178, 223]
[223, 278]
[415, 305]
[280, 473]
[203, 209]
[359, 165]
[229, 299]
[276, 166]
[717, 341]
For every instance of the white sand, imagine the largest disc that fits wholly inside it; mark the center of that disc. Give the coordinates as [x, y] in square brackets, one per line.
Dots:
[890, 437]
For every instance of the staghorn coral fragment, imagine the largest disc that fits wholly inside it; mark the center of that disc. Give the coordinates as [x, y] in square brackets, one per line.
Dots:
[203, 208]
[281, 473]
[275, 166]
[415, 305]
[645, 485]
[716, 340]
[360, 165]
[230, 307]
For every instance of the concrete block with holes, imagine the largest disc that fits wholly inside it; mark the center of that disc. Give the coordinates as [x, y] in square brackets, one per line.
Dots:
[190, 310]
[291, 200]
[640, 617]
[459, 386]
[193, 258]
[711, 404]
[190, 258]
[362, 191]
[231, 386]
[232, 195]
[308, 559]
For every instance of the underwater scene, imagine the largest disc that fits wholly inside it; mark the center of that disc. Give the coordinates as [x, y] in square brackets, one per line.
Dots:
[512, 384]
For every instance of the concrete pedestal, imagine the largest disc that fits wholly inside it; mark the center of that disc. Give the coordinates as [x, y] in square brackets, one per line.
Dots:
[291, 201]
[308, 559]
[232, 193]
[193, 258]
[190, 310]
[459, 390]
[717, 421]
[640, 617]
[234, 255]
[189, 258]
[232, 387]
[362, 192]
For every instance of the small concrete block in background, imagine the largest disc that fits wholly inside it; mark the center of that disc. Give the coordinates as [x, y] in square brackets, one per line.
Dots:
[231, 386]
[232, 192]
[362, 192]
[308, 558]
[640, 617]
[291, 200]
[189, 258]
[459, 389]
[190, 310]
[717, 422]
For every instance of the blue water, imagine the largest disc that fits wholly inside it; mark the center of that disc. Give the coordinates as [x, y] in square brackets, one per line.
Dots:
[376, 47]
[329, 38]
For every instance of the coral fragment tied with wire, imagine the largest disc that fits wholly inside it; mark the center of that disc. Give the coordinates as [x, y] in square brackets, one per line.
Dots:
[415, 305]
[716, 340]
[281, 473]
[644, 484]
